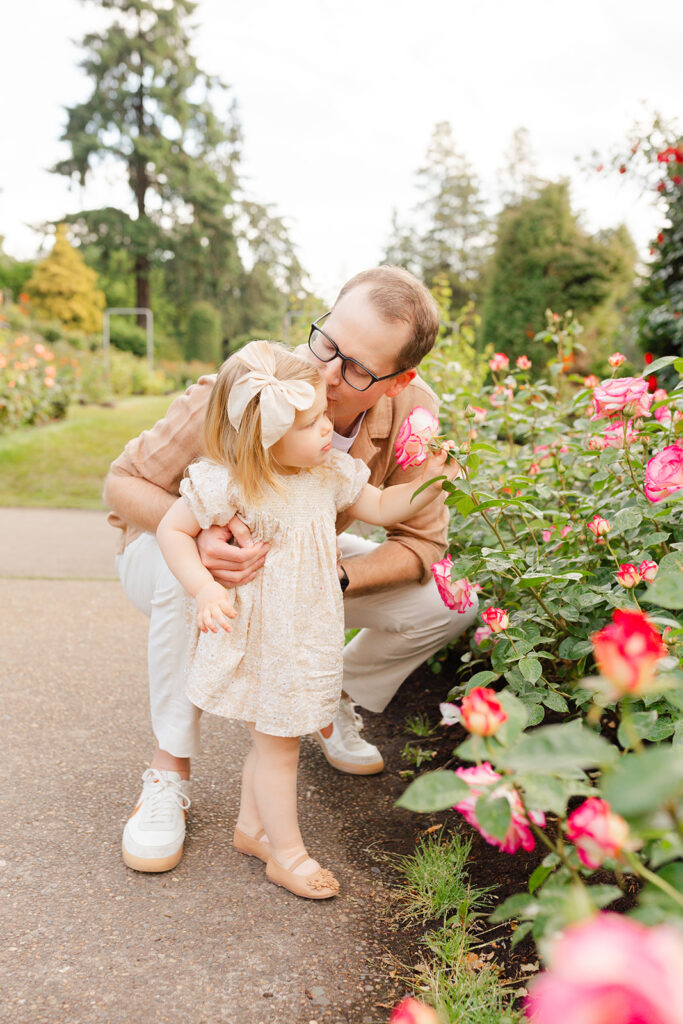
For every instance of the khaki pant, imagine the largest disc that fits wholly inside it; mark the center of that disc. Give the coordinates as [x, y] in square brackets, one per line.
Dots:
[400, 628]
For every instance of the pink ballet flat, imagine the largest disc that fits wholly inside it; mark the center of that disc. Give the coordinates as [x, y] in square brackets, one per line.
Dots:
[319, 885]
[251, 845]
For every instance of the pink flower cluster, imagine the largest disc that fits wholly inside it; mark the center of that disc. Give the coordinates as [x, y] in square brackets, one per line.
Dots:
[610, 970]
[480, 780]
[499, 362]
[455, 594]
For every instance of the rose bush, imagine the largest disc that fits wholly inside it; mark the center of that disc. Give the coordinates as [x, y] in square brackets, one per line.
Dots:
[578, 551]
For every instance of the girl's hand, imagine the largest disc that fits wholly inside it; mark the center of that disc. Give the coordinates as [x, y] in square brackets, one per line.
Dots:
[214, 608]
[436, 465]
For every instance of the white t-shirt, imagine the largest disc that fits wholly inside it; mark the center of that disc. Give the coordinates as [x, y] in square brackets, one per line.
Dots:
[342, 443]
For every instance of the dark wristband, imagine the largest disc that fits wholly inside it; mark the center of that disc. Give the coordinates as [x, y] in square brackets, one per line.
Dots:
[344, 579]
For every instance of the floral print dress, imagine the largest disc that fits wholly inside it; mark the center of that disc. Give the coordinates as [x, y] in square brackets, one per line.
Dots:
[281, 666]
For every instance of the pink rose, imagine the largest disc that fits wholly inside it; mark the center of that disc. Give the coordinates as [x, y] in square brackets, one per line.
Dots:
[456, 594]
[627, 651]
[591, 381]
[481, 711]
[547, 534]
[499, 362]
[664, 473]
[411, 1011]
[482, 633]
[659, 394]
[613, 436]
[565, 530]
[412, 442]
[628, 575]
[534, 469]
[610, 970]
[496, 619]
[623, 394]
[597, 833]
[616, 359]
[523, 363]
[599, 526]
[480, 779]
[648, 571]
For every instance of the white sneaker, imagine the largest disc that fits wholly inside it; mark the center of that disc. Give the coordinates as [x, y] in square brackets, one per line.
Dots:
[155, 832]
[344, 748]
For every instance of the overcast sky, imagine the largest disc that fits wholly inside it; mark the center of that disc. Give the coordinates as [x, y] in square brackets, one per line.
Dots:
[338, 99]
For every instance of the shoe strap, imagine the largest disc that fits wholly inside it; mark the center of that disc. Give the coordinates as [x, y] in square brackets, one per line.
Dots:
[297, 862]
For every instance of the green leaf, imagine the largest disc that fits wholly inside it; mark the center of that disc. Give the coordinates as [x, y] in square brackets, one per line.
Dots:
[559, 749]
[659, 364]
[678, 366]
[642, 782]
[517, 718]
[555, 701]
[625, 520]
[520, 932]
[533, 577]
[538, 877]
[530, 668]
[493, 814]
[481, 679]
[603, 895]
[572, 648]
[546, 793]
[640, 721]
[433, 791]
[514, 906]
[667, 589]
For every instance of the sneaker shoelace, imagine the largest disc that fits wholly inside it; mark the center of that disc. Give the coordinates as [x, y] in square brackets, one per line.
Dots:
[160, 795]
[351, 722]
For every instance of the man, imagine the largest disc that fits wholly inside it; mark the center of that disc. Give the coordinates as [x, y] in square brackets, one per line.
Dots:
[367, 348]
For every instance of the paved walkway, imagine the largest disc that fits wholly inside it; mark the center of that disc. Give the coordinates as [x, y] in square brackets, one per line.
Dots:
[84, 938]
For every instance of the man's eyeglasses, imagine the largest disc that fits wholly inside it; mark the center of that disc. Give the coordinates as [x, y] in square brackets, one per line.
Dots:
[354, 373]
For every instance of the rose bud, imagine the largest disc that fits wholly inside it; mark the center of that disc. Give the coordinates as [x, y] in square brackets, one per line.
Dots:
[616, 359]
[597, 833]
[499, 362]
[599, 526]
[648, 571]
[628, 575]
[523, 363]
[481, 711]
[496, 619]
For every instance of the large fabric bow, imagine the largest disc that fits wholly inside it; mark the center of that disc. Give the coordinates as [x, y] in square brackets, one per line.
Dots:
[279, 399]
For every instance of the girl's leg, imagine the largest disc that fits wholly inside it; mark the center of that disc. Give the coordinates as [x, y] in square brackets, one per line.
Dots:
[274, 788]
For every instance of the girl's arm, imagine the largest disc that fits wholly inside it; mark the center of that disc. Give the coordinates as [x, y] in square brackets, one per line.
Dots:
[176, 535]
[393, 504]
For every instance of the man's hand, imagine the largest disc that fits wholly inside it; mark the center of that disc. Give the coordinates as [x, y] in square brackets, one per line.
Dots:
[231, 564]
[214, 608]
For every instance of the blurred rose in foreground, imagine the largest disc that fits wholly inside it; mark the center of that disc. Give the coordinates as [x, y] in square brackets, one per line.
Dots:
[411, 1011]
[627, 652]
[611, 970]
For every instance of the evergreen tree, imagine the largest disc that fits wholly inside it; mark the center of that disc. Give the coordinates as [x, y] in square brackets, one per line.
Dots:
[64, 288]
[517, 178]
[151, 108]
[449, 231]
[543, 259]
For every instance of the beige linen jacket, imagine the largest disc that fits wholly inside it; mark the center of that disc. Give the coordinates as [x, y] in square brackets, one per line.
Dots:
[162, 454]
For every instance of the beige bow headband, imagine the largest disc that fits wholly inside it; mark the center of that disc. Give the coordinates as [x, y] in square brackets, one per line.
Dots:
[278, 398]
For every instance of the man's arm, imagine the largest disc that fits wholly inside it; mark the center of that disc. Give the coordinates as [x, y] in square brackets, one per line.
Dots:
[136, 500]
[389, 565]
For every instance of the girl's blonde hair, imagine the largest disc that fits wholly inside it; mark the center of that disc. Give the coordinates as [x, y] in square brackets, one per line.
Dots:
[253, 466]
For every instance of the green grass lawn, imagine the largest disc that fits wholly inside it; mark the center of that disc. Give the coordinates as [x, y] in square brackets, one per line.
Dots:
[64, 464]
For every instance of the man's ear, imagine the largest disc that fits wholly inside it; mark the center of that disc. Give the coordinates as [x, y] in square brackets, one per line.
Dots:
[399, 383]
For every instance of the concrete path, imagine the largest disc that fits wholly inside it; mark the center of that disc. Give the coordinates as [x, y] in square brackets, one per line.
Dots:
[84, 939]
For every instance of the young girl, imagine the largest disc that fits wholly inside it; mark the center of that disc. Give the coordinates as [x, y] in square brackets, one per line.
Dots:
[270, 652]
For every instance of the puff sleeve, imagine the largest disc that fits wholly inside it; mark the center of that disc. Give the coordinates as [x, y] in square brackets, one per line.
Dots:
[210, 492]
[351, 475]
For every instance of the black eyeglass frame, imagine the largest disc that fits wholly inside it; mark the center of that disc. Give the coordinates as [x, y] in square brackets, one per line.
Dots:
[345, 359]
